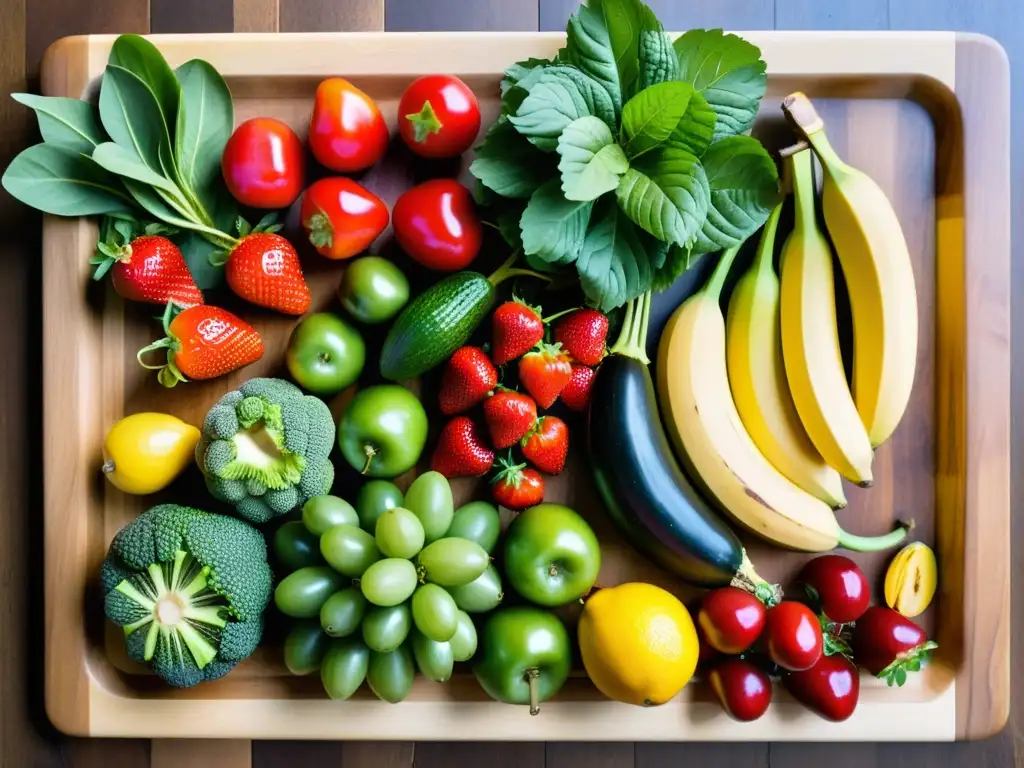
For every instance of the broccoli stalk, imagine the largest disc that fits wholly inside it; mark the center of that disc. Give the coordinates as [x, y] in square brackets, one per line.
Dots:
[179, 608]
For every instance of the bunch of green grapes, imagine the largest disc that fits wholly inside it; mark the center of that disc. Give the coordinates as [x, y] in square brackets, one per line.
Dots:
[386, 587]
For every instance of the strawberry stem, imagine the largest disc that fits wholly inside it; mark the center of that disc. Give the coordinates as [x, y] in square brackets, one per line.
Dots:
[505, 271]
[557, 315]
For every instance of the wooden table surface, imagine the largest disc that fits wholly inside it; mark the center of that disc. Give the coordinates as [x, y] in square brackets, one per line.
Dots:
[28, 26]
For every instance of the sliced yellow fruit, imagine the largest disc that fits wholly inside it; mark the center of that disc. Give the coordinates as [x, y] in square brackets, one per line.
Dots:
[911, 580]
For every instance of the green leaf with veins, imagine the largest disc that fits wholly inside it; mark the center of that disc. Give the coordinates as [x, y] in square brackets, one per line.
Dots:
[744, 185]
[520, 70]
[650, 117]
[591, 161]
[617, 260]
[508, 224]
[677, 261]
[204, 124]
[696, 129]
[656, 59]
[124, 162]
[140, 57]
[131, 116]
[667, 195]
[560, 96]
[728, 71]
[65, 122]
[509, 164]
[553, 227]
[603, 39]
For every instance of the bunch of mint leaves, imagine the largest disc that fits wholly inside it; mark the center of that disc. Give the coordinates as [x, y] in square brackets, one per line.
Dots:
[627, 154]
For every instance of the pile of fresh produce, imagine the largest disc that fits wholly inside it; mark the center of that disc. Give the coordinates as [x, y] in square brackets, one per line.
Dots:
[610, 168]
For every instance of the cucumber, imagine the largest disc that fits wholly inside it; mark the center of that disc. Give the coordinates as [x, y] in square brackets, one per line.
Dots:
[435, 324]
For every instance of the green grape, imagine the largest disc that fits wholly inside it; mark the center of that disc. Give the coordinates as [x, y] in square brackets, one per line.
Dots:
[430, 499]
[463, 642]
[304, 647]
[477, 521]
[321, 513]
[384, 629]
[390, 675]
[341, 614]
[399, 533]
[344, 667]
[434, 659]
[349, 550]
[295, 547]
[301, 594]
[374, 499]
[389, 582]
[434, 612]
[452, 562]
[480, 595]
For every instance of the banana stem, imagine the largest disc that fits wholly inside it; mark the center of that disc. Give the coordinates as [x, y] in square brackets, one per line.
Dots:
[713, 289]
[874, 543]
[766, 247]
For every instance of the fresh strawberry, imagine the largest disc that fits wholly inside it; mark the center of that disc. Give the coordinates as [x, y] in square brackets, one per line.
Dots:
[516, 487]
[509, 416]
[582, 335]
[576, 394]
[264, 269]
[461, 451]
[203, 342]
[468, 376]
[516, 328]
[546, 445]
[144, 265]
[544, 372]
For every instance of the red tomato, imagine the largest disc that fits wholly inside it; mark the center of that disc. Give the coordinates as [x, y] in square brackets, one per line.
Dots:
[838, 586]
[743, 690]
[830, 688]
[438, 116]
[731, 619]
[341, 217]
[794, 636]
[347, 132]
[437, 225]
[263, 164]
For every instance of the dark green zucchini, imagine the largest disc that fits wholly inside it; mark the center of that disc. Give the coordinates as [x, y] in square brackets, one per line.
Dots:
[647, 495]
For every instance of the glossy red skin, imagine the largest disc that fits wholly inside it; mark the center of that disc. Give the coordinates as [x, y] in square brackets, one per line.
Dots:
[455, 107]
[347, 132]
[793, 636]
[831, 688]
[264, 164]
[436, 223]
[843, 590]
[356, 215]
[882, 633]
[743, 690]
[732, 619]
[529, 492]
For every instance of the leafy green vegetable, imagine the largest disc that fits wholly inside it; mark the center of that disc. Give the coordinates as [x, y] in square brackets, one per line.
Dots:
[131, 116]
[650, 117]
[728, 71]
[677, 261]
[520, 70]
[656, 59]
[744, 185]
[204, 123]
[62, 181]
[553, 227]
[124, 162]
[591, 161]
[560, 96]
[65, 122]
[509, 164]
[617, 261]
[508, 225]
[667, 196]
[137, 55]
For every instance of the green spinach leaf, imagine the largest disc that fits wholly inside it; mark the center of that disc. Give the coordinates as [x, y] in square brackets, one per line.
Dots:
[657, 61]
[667, 195]
[650, 117]
[696, 129]
[140, 57]
[728, 71]
[553, 227]
[131, 116]
[123, 162]
[744, 183]
[676, 263]
[508, 225]
[509, 164]
[70, 123]
[560, 96]
[520, 70]
[64, 182]
[591, 161]
[205, 121]
[617, 260]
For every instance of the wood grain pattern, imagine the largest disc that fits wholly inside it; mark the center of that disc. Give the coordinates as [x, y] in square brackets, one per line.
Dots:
[733, 14]
[569, 754]
[442, 754]
[457, 15]
[331, 16]
[191, 16]
[256, 15]
[192, 753]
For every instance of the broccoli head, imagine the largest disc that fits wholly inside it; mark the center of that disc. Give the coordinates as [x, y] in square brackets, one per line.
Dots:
[266, 448]
[189, 588]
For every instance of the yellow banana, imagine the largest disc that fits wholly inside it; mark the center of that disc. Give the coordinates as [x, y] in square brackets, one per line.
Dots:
[810, 338]
[709, 438]
[757, 378]
[876, 264]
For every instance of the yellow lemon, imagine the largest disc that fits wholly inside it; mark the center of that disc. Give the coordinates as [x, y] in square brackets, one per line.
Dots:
[144, 452]
[638, 643]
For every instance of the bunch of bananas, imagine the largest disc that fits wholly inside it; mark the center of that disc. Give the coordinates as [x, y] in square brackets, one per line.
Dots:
[758, 405]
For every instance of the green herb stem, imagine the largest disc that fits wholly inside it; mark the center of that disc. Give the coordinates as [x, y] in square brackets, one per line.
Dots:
[506, 271]
[713, 289]
[632, 341]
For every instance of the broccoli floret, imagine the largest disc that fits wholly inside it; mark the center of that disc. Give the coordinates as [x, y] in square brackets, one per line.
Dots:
[189, 588]
[265, 449]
